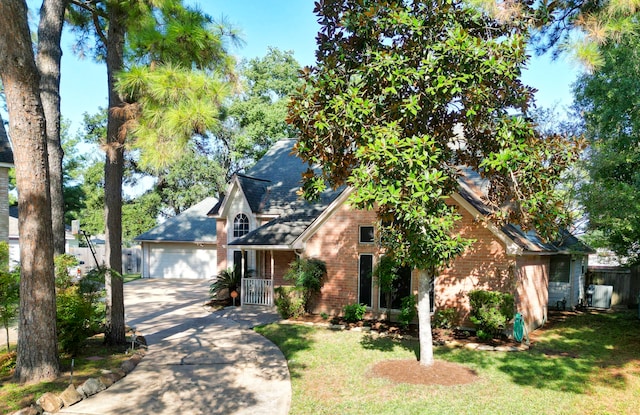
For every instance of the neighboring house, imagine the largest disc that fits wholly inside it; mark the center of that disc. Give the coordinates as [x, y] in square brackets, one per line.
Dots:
[184, 246]
[6, 163]
[262, 225]
[14, 237]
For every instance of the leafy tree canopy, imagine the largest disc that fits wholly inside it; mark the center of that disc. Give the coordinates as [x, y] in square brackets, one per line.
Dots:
[609, 100]
[405, 93]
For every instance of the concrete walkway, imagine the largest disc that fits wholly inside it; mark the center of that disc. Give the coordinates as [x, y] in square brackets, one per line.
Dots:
[198, 362]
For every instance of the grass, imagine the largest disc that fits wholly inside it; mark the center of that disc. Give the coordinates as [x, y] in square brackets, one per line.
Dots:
[588, 364]
[14, 396]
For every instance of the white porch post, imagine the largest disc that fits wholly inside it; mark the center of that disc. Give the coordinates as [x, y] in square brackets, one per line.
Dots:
[242, 284]
[273, 267]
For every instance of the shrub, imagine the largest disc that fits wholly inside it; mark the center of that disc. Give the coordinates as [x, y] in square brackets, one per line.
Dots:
[490, 311]
[227, 279]
[75, 319]
[445, 319]
[307, 274]
[407, 311]
[62, 264]
[354, 312]
[288, 302]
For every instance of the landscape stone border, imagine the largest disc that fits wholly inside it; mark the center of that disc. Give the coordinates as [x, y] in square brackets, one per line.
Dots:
[50, 403]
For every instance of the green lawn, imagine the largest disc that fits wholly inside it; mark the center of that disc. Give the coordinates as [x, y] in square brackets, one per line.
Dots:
[589, 364]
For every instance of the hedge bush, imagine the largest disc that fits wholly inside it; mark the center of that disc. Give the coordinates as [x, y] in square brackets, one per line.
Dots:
[491, 311]
[289, 302]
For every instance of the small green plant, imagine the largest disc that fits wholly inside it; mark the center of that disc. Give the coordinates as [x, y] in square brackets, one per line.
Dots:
[446, 318]
[491, 311]
[408, 311]
[307, 274]
[324, 316]
[75, 319]
[288, 302]
[9, 291]
[354, 312]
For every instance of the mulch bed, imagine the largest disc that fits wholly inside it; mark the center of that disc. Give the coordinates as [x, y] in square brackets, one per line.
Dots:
[410, 371]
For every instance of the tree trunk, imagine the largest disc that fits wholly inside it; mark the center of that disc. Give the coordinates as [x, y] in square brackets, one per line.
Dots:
[424, 318]
[113, 171]
[37, 344]
[48, 62]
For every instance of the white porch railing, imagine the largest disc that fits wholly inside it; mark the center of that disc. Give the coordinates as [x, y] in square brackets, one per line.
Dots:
[257, 291]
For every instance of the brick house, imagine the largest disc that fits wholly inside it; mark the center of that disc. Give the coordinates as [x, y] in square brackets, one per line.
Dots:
[262, 225]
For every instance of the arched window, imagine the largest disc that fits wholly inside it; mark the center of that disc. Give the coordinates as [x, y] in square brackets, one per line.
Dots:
[240, 225]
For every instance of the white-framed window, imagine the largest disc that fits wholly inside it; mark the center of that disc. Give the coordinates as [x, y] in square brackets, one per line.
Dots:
[366, 235]
[365, 279]
[240, 225]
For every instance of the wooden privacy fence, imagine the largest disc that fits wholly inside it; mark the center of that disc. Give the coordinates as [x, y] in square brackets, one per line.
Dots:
[131, 258]
[625, 283]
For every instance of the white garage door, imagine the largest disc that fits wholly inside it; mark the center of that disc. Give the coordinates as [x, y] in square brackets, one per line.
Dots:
[182, 262]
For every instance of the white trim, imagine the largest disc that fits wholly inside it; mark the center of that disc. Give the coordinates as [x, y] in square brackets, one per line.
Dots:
[7, 165]
[511, 247]
[261, 247]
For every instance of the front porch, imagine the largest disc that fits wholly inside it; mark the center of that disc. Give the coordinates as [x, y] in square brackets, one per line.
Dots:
[261, 271]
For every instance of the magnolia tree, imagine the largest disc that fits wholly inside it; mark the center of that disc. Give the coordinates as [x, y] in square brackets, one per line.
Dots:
[405, 92]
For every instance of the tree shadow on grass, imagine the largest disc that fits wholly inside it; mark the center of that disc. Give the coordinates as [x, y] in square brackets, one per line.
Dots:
[571, 356]
[388, 344]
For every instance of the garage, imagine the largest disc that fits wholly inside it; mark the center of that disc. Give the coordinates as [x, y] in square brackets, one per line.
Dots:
[182, 261]
[184, 246]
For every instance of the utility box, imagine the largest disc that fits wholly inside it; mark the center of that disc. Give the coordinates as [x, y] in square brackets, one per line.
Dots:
[599, 296]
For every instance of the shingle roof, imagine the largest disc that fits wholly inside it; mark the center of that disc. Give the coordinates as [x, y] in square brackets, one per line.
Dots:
[282, 231]
[192, 225]
[473, 188]
[6, 154]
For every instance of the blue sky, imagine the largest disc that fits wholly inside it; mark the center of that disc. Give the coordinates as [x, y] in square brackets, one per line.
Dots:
[286, 24]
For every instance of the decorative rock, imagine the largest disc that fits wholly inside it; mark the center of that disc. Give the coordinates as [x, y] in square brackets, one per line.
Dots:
[50, 402]
[485, 348]
[108, 379]
[70, 396]
[336, 327]
[128, 365]
[472, 346]
[90, 387]
[27, 411]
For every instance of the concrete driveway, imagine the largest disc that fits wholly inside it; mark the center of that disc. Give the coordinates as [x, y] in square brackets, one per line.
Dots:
[198, 362]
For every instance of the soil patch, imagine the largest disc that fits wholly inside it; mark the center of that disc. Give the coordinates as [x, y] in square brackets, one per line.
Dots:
[410, 371]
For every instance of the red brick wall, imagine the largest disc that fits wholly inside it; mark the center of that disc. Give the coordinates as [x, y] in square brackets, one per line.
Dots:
[484, 265]
[337, 243]
[221, 236]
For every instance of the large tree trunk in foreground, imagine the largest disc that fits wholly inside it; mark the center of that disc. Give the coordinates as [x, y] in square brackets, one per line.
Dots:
[48, 62]
[424, 318]
[37, 343]
[113, 171]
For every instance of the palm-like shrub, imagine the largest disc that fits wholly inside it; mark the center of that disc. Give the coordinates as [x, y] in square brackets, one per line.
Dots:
[227, 279]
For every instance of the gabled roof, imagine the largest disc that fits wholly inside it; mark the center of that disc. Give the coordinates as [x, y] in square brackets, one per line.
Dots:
[6, 154]
[473, 188]
[192, 225]
[271, 186]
